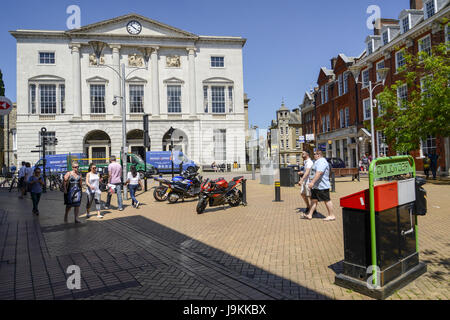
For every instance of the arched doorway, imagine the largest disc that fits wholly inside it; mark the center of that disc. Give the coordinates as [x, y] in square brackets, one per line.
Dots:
[97, 145]
[135, 142]
[180, 141]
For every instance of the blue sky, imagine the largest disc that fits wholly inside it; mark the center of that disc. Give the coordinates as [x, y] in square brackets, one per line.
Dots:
[287, 40]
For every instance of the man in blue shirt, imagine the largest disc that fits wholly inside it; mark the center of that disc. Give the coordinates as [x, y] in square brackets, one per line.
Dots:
[320, 186]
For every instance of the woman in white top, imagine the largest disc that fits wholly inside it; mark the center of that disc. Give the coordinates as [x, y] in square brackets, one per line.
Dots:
[93, 190]
[133, 181]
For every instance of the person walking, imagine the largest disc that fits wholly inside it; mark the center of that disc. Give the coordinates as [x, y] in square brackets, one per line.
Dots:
[433, 163]
[21, 177]
[13, 168]
[28, 174]
[426, 166]
[133, 182]
[36, 182]
[114, 178]
[320, 186]
[72, 191]
[93, 190]
[304, 181]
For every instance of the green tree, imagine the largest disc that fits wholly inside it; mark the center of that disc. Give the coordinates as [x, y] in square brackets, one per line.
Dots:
[426, 112]
[2, 85]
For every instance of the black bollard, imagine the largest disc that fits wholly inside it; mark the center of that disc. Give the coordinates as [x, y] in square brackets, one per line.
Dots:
[244, 192]
[277, 191]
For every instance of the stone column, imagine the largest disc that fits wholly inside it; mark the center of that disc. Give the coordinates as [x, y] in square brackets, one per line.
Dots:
[192, 84]
[155, 81]
[116, 79]
[76, 80]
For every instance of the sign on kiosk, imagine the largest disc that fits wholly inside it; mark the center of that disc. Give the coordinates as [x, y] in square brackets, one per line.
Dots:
[5, 106]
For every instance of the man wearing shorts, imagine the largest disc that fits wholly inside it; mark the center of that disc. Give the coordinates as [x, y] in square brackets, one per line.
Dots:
[304, 181]
[320, 186]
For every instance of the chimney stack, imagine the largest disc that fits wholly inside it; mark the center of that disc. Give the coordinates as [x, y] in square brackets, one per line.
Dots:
[333, 63]
[416, 4]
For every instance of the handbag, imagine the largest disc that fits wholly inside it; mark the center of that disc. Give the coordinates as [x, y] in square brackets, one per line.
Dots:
[74, 196]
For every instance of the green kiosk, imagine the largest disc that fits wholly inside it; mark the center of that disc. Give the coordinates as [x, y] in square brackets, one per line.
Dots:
[381, 252]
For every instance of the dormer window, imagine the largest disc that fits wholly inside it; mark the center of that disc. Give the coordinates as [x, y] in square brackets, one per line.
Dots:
[429, 8]
[405, 24]
[370, 47]
[386, 37]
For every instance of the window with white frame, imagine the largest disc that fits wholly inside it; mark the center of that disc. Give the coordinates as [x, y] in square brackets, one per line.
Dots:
[402, 96]
[14, 139]
[324, 124]
[297, 131]
[97, 94]
[174, 99]
[218, 99]
[205, 98]
[32, 97]
[366, 106]
[340, 84]
[428, 146]
[447, 33]
[328, 123]
[383, 147]
[326, 92]
[220, 144]
[281, 130]
[400, 59]
[380, 107]
[347, 117]
[341, 118]
[386, 37]
[425, 45]
[370, 47]
[217, 62]
[366, 78]
[346, 82]
[287, 143]
[282, 144]
[47, 58]
[406, 24]
[380, 65]
[297, 157]
[322, 95]
[297, 144]
[429, 8]
[230, 99]
[424, 84]
[136, 98]
[62, 98]
[47, 94]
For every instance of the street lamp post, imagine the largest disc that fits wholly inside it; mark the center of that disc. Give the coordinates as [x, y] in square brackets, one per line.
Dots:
[98, 47]
[382, 73]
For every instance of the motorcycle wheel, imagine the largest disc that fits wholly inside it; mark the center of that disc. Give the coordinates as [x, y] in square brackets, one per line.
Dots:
[173, 197]
[236, 200]
[160, 193]
[201, 205]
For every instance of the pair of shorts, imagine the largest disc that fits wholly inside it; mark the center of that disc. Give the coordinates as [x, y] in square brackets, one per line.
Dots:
[320, 195]
[305, 190]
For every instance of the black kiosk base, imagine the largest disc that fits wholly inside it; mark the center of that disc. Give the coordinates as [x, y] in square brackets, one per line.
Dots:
[388, 289]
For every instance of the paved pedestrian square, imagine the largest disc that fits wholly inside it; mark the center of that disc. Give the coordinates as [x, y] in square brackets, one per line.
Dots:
[166, 251]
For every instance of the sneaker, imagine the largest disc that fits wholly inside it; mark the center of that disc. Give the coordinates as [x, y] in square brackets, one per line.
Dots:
[106, 207]
[120, 209]
[137, 205]
[99, 216]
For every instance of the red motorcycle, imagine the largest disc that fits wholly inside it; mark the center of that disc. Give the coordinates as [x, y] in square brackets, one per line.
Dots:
[218, 192]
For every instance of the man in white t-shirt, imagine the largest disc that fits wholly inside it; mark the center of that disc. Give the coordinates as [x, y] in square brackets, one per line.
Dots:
[304, 181]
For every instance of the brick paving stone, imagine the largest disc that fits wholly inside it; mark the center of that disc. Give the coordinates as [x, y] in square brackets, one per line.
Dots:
[166, 251]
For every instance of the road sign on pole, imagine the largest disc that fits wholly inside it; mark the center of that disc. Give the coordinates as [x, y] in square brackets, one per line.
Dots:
[5, 106]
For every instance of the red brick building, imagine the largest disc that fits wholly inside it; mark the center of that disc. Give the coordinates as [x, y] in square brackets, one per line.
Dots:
[342, 133]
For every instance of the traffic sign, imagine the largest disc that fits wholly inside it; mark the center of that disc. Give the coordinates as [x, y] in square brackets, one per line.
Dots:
[5, 106]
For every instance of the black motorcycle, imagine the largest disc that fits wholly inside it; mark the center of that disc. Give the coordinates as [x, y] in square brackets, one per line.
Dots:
[161, 193]
[185, 189]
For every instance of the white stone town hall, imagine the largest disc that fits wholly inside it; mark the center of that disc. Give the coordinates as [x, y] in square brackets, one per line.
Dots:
[192, 83]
